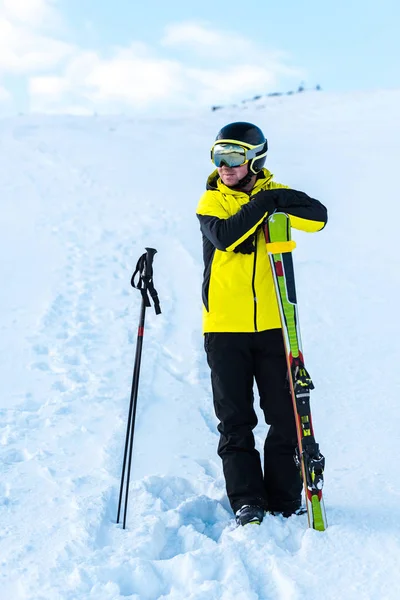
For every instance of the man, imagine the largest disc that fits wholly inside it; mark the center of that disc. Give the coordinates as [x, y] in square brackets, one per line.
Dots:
[241, 323]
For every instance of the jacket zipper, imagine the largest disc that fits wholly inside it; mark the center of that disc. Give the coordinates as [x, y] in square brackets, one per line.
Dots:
[253, 282]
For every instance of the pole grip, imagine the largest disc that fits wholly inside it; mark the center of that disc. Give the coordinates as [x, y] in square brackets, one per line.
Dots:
[150, 252]
[144, 275]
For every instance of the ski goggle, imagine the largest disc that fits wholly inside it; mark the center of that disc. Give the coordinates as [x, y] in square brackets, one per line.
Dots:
[231, 154]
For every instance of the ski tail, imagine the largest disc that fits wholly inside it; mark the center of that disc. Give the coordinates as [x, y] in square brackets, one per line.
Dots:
[308, 456]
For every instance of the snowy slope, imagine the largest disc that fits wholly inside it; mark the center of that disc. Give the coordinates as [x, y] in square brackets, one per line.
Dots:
[80, 199]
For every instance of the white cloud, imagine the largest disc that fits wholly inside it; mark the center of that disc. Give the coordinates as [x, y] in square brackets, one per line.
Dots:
[225, 84]
[63, 77]
[127, 79]
[50, 86]
[24, 51]
[137, 77]
[223, 46]
[25, 47]
[234, 66]
[36, 12]
[202, 38]
[133, 79]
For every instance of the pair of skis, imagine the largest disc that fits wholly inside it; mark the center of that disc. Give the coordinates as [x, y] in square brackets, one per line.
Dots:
[308, 458]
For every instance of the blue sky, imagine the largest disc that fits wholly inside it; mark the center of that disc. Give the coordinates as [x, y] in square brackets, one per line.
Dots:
[85, 56]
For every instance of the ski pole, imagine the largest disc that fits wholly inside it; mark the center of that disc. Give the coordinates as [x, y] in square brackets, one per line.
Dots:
[144, 283]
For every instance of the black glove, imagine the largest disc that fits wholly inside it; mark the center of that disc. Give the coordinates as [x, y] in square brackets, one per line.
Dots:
[281, 198]
[266, 200]
[286, 198]
[247, 246]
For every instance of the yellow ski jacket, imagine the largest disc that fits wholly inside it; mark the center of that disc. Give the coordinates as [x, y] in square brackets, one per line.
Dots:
[238, 289]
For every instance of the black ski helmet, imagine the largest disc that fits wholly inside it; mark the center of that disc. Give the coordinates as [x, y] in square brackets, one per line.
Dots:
[246, 133]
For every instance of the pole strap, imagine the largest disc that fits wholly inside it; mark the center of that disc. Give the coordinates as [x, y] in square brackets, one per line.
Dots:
[142, 280]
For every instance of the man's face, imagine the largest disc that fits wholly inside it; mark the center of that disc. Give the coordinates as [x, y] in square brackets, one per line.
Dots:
[232, 175]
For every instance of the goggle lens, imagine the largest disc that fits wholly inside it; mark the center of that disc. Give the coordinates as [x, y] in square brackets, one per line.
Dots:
[229, 155]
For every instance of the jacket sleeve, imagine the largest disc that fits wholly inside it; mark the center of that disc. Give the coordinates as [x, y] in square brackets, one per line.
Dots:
[305, 213]
[227, 232]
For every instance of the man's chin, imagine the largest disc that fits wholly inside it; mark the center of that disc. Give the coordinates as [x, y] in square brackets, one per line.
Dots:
[229, 179]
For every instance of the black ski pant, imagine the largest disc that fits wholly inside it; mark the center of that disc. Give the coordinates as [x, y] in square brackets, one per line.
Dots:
[236, 360]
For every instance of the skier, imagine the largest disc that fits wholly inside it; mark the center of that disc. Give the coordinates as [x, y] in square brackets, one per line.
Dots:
[241, 323]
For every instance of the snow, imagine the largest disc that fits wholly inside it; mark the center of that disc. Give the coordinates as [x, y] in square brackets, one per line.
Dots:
[81, 198]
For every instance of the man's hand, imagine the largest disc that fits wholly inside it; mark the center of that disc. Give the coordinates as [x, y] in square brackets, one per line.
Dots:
[247, 246]
[266, 199]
